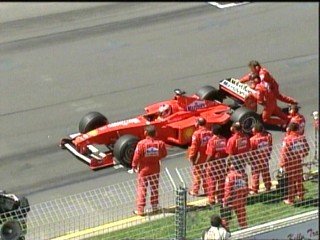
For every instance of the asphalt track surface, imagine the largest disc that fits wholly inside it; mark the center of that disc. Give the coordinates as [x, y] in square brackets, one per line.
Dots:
[48, 83]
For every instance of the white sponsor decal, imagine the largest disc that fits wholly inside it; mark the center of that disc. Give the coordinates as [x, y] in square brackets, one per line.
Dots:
[124, 122]
[235, 86]
[263, 144]
[152, 151]
[239, 183]
[196, 105]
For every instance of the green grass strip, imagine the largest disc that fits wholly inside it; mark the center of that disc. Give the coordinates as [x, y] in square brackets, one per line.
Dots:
[262, 208]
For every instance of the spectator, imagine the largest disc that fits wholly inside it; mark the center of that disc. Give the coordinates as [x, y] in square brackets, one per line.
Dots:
[197, 156]
[217, 231]
[294, 148]
[267, 79]
[261, 147]
[146, 161]
[235, 193]
[296, 117]
[216, 169]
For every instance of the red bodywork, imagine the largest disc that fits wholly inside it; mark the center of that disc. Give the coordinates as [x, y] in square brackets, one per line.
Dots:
[176, 129]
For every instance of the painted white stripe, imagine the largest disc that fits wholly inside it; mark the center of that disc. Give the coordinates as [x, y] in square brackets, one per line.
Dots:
[101, 154]
[71, 149]
[130, 171]
[92, 148]
[176, 154]
[74, 135]
[96, 157]
[216, 4]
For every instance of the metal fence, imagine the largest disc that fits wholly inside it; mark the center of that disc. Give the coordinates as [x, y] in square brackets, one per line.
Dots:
[107, 211]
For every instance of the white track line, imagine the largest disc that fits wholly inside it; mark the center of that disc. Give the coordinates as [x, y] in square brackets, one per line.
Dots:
[176, 154]
[216, 4]
[169, 156]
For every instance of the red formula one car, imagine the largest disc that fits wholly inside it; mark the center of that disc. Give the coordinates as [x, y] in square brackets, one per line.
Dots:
[120, 138]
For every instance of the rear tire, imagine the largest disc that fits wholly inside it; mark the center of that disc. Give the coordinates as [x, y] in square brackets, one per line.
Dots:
[91, 121]
[246, 117]
[210, 93]
[124, 149]
[237, 104]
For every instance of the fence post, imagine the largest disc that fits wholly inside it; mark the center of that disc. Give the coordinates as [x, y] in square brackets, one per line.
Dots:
[181, 213]
[180, 208]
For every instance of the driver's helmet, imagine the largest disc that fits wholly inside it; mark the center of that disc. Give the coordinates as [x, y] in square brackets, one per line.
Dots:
[164, 110]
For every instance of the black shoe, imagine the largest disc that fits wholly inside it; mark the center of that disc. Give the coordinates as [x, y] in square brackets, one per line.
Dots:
[135, 212]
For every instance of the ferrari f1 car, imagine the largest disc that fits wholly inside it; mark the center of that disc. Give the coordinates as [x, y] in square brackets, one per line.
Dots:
[120, 138]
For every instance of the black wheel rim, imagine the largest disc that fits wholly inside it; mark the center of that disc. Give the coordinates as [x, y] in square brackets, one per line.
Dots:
[128, 154]
[248, 123]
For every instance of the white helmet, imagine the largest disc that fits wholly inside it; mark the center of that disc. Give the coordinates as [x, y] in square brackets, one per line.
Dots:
[164, 110]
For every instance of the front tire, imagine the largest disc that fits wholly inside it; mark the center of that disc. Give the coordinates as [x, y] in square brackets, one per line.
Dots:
[91, 121]
[246, 117]
[124, 149]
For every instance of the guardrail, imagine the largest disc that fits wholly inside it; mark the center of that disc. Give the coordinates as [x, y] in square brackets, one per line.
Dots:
[108, 211]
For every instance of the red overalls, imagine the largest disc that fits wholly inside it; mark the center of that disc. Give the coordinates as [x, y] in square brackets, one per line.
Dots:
[261, 146]
[235, 195]
[216, 169]
[146, 159]
[269, 101]
[237, 144]
[267, 78]
[300, 120]
[294, 148]
[271, 84]
[197, 155]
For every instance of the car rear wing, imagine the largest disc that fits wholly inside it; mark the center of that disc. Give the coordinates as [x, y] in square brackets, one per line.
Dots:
[233, 88]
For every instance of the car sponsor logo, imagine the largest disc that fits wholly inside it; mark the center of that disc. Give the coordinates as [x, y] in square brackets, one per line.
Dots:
[196, 105]
[124, 122]
[235, 86]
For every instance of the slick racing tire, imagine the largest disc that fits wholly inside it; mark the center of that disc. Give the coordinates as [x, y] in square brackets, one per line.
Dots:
[124, 149]
[210, 93]
[91, 121]
[246, 117]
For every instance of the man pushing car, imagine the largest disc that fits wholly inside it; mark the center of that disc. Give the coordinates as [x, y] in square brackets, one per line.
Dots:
[267, 80]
